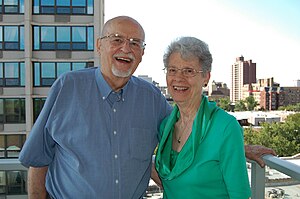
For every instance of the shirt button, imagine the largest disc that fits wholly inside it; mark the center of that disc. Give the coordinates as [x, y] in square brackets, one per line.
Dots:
[115, 110]
[103, 98]
[115, 132]
[117, 181]
[116, 156]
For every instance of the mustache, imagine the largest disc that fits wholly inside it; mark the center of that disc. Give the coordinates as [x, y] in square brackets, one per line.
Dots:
[124, 55]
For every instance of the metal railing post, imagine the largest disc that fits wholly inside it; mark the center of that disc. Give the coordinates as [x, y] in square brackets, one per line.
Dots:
[257, 181]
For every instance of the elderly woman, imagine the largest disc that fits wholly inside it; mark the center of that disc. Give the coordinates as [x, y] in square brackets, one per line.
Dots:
[201, 151]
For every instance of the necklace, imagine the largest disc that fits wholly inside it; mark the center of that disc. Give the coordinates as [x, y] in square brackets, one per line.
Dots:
[178, 140]
[186, 130]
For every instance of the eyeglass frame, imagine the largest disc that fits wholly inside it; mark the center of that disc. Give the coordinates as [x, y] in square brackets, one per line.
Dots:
[182, 70]
[140, 42]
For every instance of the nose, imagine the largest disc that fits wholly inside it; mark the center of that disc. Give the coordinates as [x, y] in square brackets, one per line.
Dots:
[178, 77]
[179, 73]
[126, 46]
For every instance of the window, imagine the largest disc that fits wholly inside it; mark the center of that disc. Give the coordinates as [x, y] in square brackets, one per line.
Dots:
[79, 37]
[63, 35]
[12, 74]
[10, 145]
[16, 182]
[12, 6]
[63, 38]
[38, 104]
[12, 110]
[1, 111]
[13, 182]
[45, 73]
[2, 183]
[66, 7]
[11, 37]
[48, 73]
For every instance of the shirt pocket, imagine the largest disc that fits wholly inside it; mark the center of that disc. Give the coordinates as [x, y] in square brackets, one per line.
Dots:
[142, 143]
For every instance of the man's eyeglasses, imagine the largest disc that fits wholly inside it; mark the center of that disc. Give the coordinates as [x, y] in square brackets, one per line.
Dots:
[187, 72]
[117, 40]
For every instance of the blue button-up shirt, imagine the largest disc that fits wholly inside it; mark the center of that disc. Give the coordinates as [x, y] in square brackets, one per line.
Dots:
[96, 143]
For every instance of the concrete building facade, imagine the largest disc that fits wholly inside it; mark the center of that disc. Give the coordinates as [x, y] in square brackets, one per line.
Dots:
[39, 40]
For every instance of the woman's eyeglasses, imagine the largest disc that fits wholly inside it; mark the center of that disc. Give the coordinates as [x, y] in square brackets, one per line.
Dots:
[187, 72]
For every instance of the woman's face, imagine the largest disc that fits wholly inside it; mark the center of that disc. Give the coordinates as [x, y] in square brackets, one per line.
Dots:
[185, 88]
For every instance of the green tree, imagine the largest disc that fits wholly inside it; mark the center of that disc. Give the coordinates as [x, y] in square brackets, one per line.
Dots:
[284, 138]
[250, 103]
[295, 107]
[240, 106]
[224, 103]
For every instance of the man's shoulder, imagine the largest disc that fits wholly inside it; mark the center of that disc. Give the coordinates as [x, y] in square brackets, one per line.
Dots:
[80, 78]
[81, 72]
[144, 85]
[77, 75]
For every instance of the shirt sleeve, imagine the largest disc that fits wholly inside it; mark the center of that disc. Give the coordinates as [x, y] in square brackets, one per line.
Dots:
[233, 162]
[38, 149]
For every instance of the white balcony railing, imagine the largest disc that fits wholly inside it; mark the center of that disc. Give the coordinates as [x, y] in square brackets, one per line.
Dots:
[258, 174]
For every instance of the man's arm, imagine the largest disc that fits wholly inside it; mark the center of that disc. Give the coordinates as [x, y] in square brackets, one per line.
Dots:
[254, 152]
[36, 182]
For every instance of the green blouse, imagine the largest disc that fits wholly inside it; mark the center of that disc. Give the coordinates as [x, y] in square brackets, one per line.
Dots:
[212, 162]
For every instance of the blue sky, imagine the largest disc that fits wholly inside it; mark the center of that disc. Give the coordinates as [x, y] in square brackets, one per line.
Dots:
[265, 31]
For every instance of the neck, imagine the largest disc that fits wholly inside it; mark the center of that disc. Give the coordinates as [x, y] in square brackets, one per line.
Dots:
[182, 130]
[183, 127]
[116, 83]
[188, 111]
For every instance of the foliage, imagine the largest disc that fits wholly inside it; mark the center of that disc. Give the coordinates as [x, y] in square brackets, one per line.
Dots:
[240, 106]
[284, 138]
[251, 103]
[295, 107]
[224, 103]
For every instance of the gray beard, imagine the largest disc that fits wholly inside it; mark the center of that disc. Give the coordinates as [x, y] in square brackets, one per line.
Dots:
[119, 73]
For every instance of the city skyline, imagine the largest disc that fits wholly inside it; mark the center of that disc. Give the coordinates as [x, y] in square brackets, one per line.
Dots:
[266, 32]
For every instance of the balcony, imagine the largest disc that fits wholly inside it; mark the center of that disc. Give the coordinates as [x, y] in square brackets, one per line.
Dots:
[258, 174]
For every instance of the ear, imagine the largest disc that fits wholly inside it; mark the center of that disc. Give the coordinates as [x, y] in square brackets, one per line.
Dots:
[143, 51]
[207, 78]
[98, 45]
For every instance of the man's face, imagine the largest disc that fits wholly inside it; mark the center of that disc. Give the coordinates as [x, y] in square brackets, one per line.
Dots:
[119, 55]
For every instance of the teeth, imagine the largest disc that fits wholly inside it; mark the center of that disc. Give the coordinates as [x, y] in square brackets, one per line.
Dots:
[180, 88]
[123, 59]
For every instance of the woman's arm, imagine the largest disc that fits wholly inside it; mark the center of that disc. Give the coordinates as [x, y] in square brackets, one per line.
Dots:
[155, 177]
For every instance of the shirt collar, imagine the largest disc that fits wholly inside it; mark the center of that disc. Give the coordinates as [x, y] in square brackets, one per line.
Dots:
[104, 87]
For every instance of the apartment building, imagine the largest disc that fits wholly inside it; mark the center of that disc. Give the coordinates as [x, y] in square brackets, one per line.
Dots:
[274, 97]
[242, 72]
[39, 40]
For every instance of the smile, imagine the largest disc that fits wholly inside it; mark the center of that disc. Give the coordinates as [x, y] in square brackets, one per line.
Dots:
[128, 60]
[179, 88]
